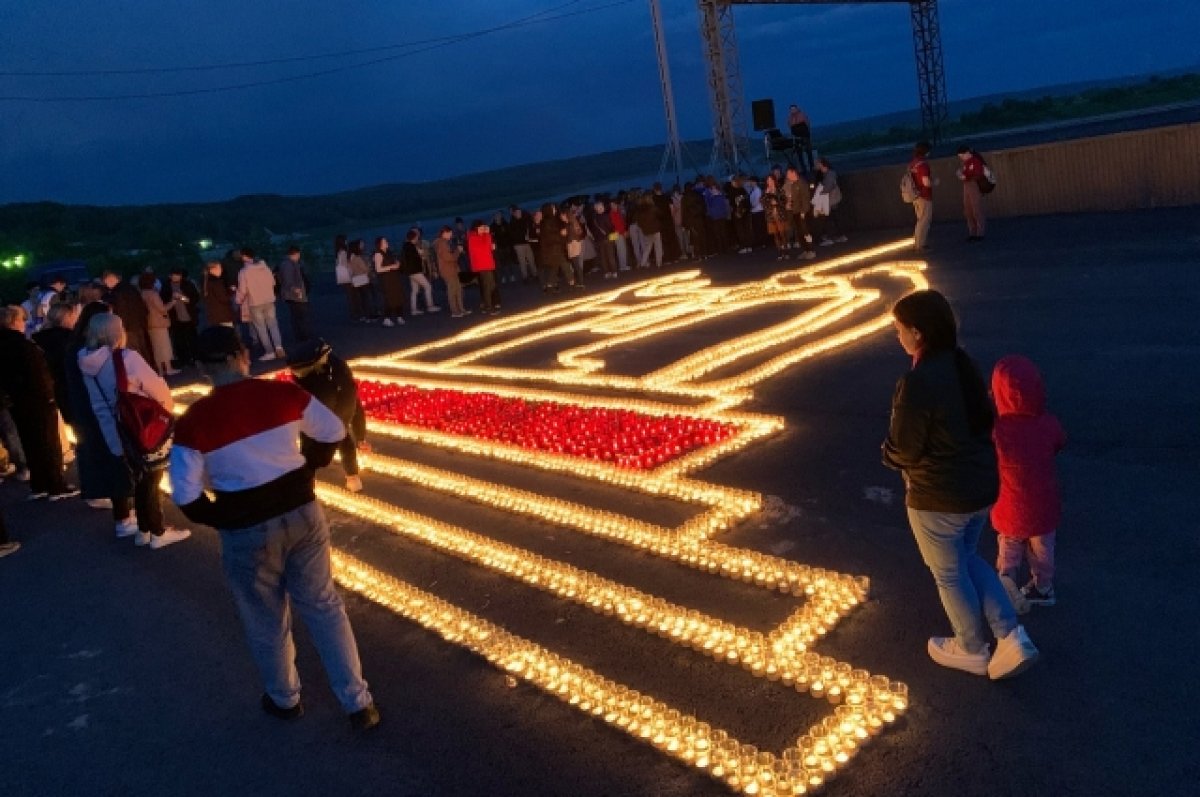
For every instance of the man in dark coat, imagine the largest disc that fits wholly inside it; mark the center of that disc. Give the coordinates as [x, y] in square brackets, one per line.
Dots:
[184, 315]
[25, 378]
[127, 303]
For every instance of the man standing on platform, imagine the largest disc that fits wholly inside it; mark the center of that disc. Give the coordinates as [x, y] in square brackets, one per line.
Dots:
[240, 442]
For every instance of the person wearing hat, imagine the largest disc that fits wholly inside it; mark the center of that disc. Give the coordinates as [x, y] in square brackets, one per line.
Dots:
[329, 379]
[275, 545]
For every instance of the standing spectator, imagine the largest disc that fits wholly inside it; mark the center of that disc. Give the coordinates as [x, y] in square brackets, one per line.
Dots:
[218, 296]
[447, 262]
[739, 203]
[918, 169]
[637, 240]
[482, 257]
[617, 215]
[505, 258]
[360, 282]
[774, 202]
[55, 292]
[418, 283]
[158, 325]
[694, 215]
[576, 235]
[293, 287]
[681, 232]
[460, 237]
[1026, 515]
[650, 230]
[103, 477]
[799, 205]
[274, 536]
[184, 315]
[329, 379]
[666, 225]
[970, 174]
[341, 272]
[801, 131]
[758, 221]
[105, 341]
[54, 338]
[600, 223]
[126, 301]
[827, 186]
[716, 223]
[553, 254]
[25, 378]
[256, 290]
[518, 232]
[391, 282]
[940, 440]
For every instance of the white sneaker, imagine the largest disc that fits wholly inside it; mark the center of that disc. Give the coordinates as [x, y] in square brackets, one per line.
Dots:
[418, 312]
[99, 503]
[9, 547]
[1014, 655]
[434, 309]
[387, 322]
[399, 321]
[170, 536]
[354, 484]
[142, 538]
[266, 358]
[127, 527]
[70, 492]
[946, 651]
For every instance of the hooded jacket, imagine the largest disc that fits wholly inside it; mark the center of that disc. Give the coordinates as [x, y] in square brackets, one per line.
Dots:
[101, 382]
[1027, 438]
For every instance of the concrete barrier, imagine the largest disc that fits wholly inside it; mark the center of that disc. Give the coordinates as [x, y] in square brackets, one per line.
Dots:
[1159, 167]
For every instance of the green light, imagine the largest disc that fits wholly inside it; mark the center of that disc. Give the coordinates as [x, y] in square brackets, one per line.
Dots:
[19, 260]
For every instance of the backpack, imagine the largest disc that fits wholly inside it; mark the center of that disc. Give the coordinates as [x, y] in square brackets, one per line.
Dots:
[987, 181]
[144, 426]
[908, 187]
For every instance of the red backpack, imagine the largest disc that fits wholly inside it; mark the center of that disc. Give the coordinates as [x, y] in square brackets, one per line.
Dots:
[145, 426]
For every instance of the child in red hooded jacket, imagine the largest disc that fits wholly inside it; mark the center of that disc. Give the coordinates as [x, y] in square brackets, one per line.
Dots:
[1027, 514]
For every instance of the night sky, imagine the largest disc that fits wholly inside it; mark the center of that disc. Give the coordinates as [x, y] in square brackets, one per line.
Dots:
[570, 86]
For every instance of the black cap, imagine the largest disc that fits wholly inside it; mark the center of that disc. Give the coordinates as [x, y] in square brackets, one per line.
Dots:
[307, 354]
[217, 344]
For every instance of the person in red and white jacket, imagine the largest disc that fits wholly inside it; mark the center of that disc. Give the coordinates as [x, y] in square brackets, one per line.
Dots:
[255, 445]
[972, 171]
[922, 179]
[481, 252]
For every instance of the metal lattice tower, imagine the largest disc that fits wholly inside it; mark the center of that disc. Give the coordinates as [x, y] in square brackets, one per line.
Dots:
[672, 156]
[724, 83]
[725, 77]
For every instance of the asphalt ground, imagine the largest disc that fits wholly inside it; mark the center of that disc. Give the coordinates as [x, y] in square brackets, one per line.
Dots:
[123, 670]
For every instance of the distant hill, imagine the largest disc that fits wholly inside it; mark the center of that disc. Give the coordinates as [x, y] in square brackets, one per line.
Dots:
[130, 236]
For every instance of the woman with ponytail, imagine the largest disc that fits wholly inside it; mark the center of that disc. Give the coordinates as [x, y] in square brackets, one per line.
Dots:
[940, 440]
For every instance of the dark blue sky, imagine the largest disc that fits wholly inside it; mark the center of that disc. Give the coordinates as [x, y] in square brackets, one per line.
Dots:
[572, 86]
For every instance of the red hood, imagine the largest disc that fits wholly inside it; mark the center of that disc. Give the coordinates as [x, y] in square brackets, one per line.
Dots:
[1017, 387]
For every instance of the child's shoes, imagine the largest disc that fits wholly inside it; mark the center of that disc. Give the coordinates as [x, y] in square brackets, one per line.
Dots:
[1037, 597]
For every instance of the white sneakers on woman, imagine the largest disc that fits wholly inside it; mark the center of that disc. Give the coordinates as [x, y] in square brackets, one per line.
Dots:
[1014, 654]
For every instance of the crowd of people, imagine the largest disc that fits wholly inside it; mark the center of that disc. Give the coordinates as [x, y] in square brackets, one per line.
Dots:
[567, 244]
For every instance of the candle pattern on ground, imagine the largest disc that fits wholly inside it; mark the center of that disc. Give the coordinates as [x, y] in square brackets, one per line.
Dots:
[573, 417]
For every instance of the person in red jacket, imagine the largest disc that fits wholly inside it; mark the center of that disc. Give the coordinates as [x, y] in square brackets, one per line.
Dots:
[1027, 514]
[481, 252]
[971, 172]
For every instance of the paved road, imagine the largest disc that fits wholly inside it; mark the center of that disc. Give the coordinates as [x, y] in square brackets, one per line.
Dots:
[123, 672]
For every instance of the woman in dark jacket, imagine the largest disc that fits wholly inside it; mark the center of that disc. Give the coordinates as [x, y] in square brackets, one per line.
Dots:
[391, 281]
[553, 249]
[218, 296]
[940, 440]
[101, 475]
[601, 226]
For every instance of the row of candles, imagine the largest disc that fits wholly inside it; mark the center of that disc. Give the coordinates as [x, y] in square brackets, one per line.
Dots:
[781, 656]
[872, 702]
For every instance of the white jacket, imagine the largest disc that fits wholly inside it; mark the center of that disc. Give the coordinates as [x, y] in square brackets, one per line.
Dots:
[256, 285]
[101, 381]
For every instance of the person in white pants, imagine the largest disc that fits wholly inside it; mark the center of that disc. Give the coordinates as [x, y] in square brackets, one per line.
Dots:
[417, 281]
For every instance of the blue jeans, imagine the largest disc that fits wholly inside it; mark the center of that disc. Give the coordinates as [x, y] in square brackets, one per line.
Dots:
[278, 563]
[966, 584]
[266, 326]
